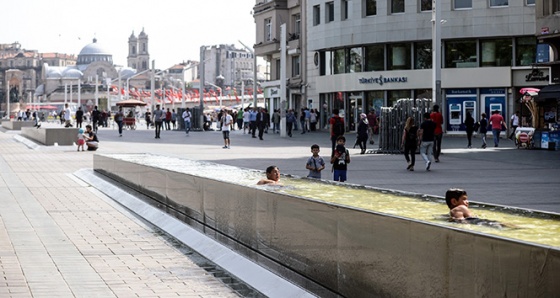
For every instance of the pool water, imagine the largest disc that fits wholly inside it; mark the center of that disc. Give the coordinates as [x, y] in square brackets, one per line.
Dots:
[539, 228]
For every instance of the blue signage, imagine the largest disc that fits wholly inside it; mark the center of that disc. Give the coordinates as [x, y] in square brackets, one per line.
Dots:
[382, 80]
[460, 91]
[492, 91]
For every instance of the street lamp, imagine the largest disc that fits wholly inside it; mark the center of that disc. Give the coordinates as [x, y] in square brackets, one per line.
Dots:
[219, 89]
[254, 72]
[192, 65]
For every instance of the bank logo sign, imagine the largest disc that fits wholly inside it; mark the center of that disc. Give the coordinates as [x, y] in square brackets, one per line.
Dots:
[382, 80]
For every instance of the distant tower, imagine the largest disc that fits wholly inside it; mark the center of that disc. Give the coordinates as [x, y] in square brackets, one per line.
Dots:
[143, 54]
[132, 51]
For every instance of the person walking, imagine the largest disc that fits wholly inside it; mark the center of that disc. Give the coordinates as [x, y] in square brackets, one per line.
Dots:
[79, 117]
[469, 126]
[158, 120]
[372, 125]
[168, 119]
[67, 116]
[290, 120]
[483, 129]
[260, 122]
[426, 135]
[497, 122]
[437, 118]
[239, 119]
[174, 119]
[187, 120]
[119, 117]
[410, 142]
[276, 120]
[337, 128]
[362, 133]
[514, 122]
[148, 118]
[253, 122]
[227, 124]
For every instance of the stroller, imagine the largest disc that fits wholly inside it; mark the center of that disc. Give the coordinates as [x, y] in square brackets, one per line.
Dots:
[524, 138]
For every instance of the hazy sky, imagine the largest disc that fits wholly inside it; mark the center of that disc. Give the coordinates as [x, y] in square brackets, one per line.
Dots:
[176, 28]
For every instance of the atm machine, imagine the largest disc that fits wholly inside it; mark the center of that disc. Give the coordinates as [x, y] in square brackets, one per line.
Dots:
[455, 119]
[469, 106]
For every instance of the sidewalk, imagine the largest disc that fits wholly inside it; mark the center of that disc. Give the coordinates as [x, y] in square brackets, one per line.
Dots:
[59, 238]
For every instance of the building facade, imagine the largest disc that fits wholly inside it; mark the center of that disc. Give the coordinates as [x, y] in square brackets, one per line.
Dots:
[269, 16]
[21, 74]
[367, 54]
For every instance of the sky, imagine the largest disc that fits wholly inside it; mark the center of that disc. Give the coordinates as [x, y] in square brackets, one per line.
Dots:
[176, 28]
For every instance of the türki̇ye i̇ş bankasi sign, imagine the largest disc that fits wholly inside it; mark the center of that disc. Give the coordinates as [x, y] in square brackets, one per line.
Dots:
[382, 80]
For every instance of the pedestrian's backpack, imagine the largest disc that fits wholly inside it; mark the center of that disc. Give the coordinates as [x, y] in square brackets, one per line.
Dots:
[338, 127]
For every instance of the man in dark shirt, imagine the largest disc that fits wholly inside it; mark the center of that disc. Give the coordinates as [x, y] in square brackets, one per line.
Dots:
[79, 117]
[426, 135]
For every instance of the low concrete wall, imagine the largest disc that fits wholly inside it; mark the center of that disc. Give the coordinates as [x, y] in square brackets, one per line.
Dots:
[50, 136]
[352, 252]
[17, 125]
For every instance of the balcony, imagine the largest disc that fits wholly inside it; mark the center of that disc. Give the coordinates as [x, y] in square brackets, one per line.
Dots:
[265, 6]
[267, 48]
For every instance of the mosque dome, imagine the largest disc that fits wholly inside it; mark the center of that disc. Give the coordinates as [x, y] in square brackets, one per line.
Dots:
[127, 72]
[93, 52]
[54, 72]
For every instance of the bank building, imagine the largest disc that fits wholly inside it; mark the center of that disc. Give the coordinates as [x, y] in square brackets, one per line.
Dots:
[356, 56]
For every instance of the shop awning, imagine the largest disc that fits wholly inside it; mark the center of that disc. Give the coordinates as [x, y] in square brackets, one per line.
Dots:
[548, 92]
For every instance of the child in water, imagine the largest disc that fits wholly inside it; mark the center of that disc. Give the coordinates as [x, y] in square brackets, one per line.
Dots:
[81, 139]
[458, 203]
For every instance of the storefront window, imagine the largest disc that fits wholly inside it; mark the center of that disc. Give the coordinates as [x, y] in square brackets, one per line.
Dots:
[375, 58]
[526, 48]
[394, 95]
[355, 60]
[423, 55]
[374, 101]
[339, 61]
[460, 54]
[399, 56]
[497, 52]
[423, 93]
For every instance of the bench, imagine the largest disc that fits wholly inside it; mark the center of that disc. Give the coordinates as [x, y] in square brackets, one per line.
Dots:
[17, 125]
[50, 136]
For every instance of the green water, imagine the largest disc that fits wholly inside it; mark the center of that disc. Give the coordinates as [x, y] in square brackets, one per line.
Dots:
[542, 229]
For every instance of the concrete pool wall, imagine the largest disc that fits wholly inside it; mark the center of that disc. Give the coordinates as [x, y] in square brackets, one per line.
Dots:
[351, 252]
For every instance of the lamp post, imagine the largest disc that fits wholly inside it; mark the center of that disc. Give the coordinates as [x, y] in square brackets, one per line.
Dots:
[436, 51]
[192, 65]
[254, 72]
[219, 89]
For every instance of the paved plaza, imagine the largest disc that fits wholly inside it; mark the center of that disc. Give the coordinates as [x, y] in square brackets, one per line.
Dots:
[61, 238]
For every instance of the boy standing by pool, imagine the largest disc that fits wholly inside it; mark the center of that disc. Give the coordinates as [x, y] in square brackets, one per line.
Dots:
[315, 163]
[340, 160]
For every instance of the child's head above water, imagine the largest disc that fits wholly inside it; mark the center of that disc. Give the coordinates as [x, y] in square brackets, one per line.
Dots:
[455, 197]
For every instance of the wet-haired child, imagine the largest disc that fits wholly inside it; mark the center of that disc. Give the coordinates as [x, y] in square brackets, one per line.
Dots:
[458, 203]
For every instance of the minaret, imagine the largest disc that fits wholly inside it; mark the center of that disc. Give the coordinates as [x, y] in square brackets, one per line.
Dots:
[143, 53]
[132, 58]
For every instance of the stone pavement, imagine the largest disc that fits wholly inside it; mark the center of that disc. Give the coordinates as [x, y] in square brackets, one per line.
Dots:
[60, 238]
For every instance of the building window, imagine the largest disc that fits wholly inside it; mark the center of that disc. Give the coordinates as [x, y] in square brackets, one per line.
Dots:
[295, 66]
[530, 2]
[344, 7]
[133, 50]
[297, 24]
[316, 15]
[525, 49]
[423, 55]
[144, 48]
[375, 58]
[398, 55]
[497, 3]
[370, 7]
[356, 59]
[460, 54]
[144, 65]
[496, 52]
[277, 70]
[555, 6]
[426, 5]
[329, 12]
[268, 29]
[397, 6]
[394, 95]
[462, 4]
[325, 60]
[339, 61]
